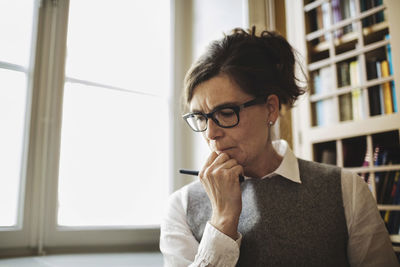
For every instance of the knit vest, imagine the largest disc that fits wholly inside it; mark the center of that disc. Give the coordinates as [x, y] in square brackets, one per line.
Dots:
[284, 223]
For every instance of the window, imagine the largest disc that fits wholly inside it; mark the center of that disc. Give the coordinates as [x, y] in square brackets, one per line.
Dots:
[97, 146]
[115, 130]
[15, 46]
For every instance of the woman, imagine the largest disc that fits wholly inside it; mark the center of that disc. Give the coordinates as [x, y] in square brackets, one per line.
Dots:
[287, 211]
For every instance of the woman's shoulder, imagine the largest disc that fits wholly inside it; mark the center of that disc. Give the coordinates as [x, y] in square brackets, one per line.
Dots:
[317, 166]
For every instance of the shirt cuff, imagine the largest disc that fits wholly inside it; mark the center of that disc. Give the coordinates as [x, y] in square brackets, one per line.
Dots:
[217, 249]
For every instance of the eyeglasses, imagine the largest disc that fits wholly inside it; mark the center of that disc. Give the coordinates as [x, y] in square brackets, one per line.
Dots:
[224, 116]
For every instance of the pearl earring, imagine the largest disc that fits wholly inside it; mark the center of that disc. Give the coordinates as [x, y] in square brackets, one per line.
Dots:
[270, 123]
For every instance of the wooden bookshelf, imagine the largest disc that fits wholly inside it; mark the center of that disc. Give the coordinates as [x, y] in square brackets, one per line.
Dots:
[351, 37]
[351, 119]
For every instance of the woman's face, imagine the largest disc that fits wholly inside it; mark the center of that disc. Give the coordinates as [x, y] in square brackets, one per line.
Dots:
[247, 142]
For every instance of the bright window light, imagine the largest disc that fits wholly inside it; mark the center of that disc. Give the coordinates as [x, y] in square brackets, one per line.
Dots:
[114, 159]
[12, 117]
[16, 32]
[124, 43]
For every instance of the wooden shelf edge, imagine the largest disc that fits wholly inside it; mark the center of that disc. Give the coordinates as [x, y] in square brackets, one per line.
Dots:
[374, 168]
[388, 207]
[349, 129]
[350, 37]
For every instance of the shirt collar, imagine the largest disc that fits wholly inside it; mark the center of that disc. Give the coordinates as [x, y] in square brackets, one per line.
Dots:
[289, 167]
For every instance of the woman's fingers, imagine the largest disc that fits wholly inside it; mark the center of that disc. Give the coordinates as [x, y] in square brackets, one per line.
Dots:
[219, 177]
[209, 161]
[220, 167]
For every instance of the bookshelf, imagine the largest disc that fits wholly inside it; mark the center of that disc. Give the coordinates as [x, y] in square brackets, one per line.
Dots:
[350, 115]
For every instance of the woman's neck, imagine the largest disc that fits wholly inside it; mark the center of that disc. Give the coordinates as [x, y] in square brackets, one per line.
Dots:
[265, 164]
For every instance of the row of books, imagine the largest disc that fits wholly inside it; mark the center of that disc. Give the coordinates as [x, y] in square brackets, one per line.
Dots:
[382, 98]
[352, 106]
[355, 152]
[392, 221]
[387, 184]
[323, 83]
[322, 18]
[377, 17]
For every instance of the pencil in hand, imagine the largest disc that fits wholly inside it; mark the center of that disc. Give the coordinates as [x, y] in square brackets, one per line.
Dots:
[196, 173]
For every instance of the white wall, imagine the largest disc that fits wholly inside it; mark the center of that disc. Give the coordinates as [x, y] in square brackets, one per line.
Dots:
[211, 19]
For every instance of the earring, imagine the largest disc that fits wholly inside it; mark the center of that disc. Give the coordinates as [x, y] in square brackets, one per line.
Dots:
[270, 123]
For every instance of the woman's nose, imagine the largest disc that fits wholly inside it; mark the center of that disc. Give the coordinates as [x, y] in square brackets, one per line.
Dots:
[213, 130]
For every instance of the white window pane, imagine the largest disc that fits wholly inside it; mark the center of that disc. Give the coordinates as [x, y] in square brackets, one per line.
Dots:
[15, 31]
[125, 35]
[114, 157]
[12, 117]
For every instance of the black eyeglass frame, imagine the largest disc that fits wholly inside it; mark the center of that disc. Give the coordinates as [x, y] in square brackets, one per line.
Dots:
[235, 108]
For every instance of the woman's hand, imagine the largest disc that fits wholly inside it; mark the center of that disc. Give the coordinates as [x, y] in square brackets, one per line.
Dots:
[219, 177]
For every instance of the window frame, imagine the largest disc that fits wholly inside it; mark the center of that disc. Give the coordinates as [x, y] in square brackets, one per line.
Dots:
[38, 232]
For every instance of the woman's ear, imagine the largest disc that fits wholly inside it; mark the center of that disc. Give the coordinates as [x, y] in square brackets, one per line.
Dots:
[273, 108]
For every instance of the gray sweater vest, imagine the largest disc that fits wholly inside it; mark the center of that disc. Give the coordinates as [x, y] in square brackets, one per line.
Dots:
[284, 223]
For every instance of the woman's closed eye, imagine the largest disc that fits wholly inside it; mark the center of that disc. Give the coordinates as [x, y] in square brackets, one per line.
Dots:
[225, 113]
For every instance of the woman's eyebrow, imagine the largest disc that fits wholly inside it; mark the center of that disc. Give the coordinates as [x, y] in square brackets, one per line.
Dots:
[222, 105]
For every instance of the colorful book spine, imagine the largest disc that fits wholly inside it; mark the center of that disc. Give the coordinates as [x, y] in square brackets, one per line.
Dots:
[320, 23]
[379, 75]
[319, 107]
[374, 91]
[326, 112]
[379, 17]
[326, 18]
[337, 16]
[389, 58]
[387, 92]
[356, 93]
[346, 13]
[346, 107]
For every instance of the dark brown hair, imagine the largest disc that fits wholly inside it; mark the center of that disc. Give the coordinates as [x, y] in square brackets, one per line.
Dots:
[260, 65]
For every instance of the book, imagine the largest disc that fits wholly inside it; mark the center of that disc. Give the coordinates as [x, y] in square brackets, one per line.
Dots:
[387, 92]
[390, 190]
[380, 16]
[347, 10]
[375, 92]
[389, 59]
[345, 107]
[343, 72]
[319, 22]
[365, 175]
[326, 19]
[357, 98]
[316, 78]
[393, 223]
[325, 109]
[380, 158]
[352, 6]
[364, 6]
[328, 156]
[337, 16]
[387, 183]
[379, 75]
[319, 105]
[345, 101]
[326, 79]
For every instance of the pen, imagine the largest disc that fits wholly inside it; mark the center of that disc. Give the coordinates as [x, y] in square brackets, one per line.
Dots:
[196, 173]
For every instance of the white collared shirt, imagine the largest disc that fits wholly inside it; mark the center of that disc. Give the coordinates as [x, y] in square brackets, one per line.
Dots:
[368, 244]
